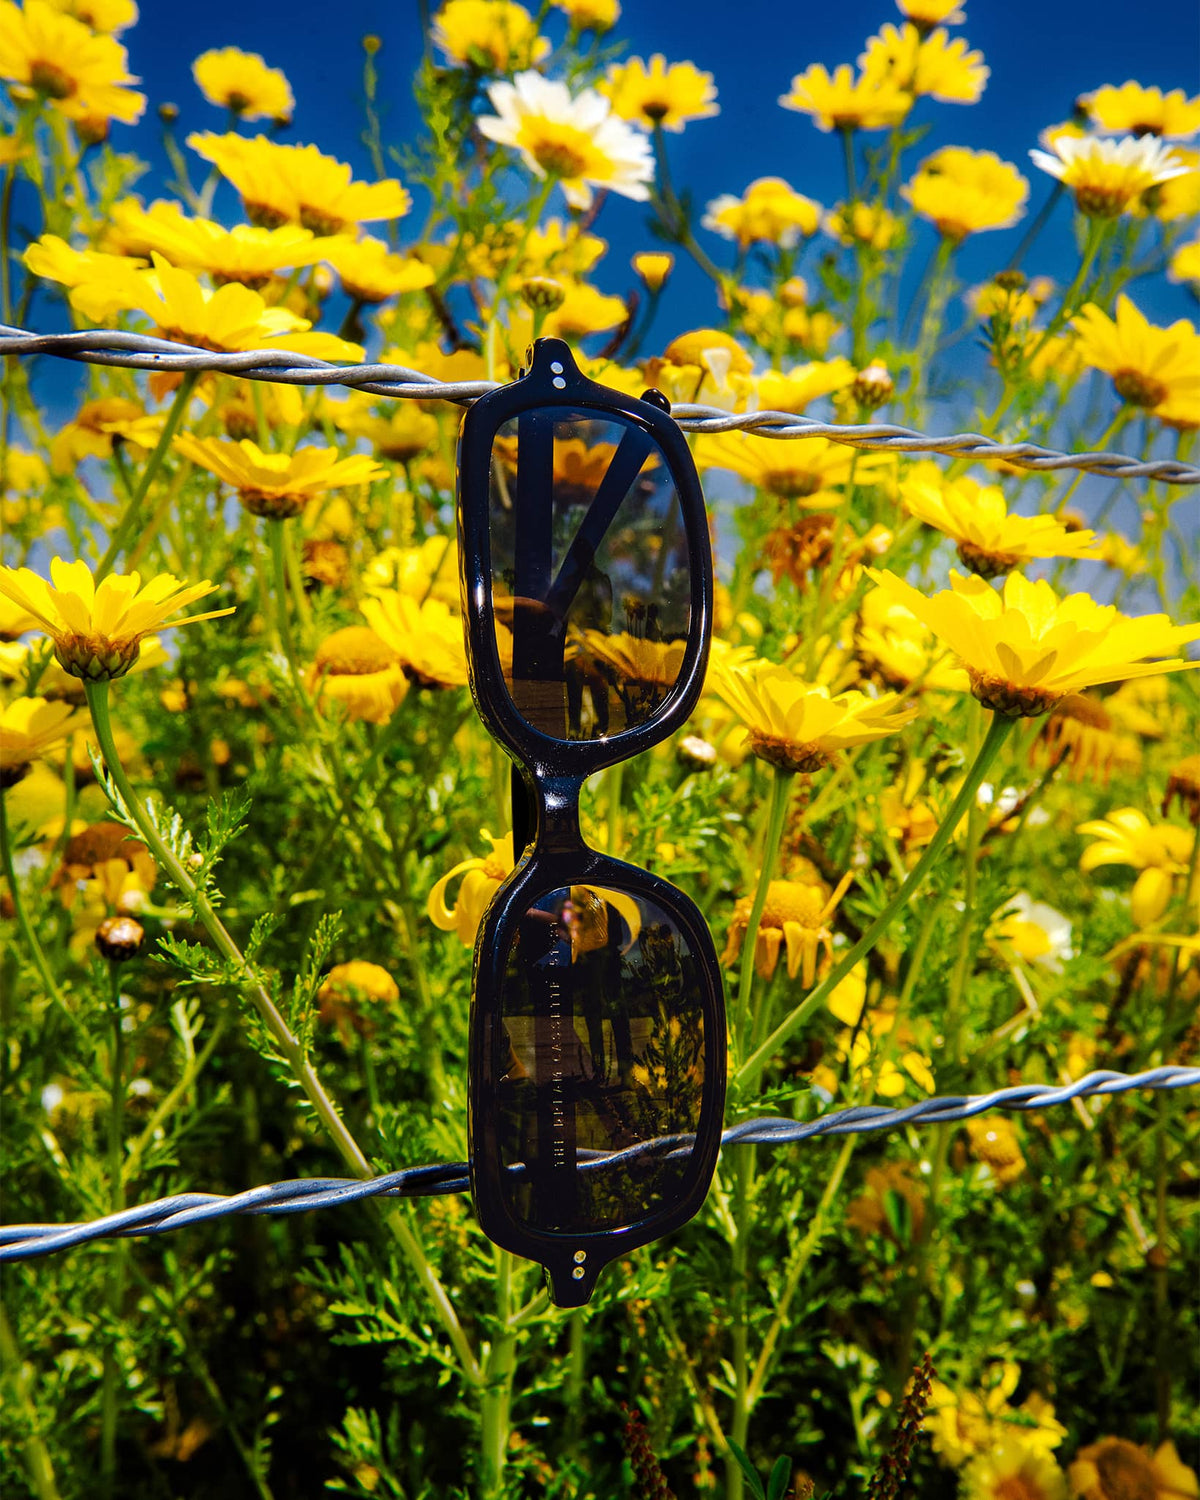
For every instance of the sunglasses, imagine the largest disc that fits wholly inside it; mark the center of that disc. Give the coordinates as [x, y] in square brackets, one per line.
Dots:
[597, 1033]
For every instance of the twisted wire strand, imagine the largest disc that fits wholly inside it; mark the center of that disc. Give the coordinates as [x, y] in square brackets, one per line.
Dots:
[28, 1241]
[137, 351]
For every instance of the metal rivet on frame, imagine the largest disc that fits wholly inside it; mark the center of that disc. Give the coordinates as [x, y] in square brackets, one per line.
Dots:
[577, 1273]
[580, 1257]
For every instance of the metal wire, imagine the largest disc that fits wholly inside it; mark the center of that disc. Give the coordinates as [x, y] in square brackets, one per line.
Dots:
[27, 1241]
[137, 351]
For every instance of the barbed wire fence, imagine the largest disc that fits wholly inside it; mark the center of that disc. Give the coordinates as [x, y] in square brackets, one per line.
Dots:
[137, 351]
[29, 1241]
[112, 347]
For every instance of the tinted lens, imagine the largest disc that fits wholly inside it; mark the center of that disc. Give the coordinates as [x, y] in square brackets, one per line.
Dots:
[591, 587]
[599, 1048]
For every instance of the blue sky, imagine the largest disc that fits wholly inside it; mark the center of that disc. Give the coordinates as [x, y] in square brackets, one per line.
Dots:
[1041, 57]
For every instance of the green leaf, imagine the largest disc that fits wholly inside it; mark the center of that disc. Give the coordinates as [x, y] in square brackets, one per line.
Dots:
[780, 1474]
[748, 1470]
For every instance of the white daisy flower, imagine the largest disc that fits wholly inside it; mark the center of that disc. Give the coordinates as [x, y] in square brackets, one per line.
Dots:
[578, 141]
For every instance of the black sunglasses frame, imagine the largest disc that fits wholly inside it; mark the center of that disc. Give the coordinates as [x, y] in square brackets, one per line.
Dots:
[548, 775]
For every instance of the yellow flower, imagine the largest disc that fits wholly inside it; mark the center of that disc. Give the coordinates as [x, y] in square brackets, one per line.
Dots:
[1160, 851]
[402, 434]
[963, 192]
[426, 636]
[919, 64]
[277, 485]
[298, 184]
[28, 728]
[57, 58]
[868, 224]
[769, 212]
[810, 471]
[354, 667]
[1027, 648]
[100, 15]
[793, 390]
[839, 101]
[373, 273]
[231, 318]
[590, 15]
[1013, 1471]
[98, 629]
[1178, 197]
[430, 570]
[964, 1423]
[245, 253]
[868, 1050]
[1185, 263]
[1108, 177]
[98, 427]
[990, 541]
[1149, 366]
[495, 36]
[901, 649]
[994, 1142]
[797, 726]
[641, 671]
[480, 881]
[658, 95]
[52, 258]
[576, 140]
[583, 310]
[1134, 110]
[653, 267]
[926, 14]
[796, 916]
[1114, 1469]
[350, 987]
[242, 83]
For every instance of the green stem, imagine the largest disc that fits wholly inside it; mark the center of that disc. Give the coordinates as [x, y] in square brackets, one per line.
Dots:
[781, 786]
[997, 734]
[23, 924]
[496, 1390]
[132, 514]
[115, 1292]
[1097, 233]
[289, 1046]
[20, 1380]
[1036, 226]
[847, 133]
[744, 1167]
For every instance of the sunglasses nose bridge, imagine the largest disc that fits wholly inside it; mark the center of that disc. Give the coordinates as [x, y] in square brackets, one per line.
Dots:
[557, 807]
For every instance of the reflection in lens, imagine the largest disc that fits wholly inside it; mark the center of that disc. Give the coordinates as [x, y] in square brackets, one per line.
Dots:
[591, 588]
[600, 1048]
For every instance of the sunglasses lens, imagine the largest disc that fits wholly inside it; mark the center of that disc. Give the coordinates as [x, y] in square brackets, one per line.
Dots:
[599, 1051]
[591, 587]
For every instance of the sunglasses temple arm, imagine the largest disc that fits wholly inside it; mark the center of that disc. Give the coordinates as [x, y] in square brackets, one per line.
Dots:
[522, 814]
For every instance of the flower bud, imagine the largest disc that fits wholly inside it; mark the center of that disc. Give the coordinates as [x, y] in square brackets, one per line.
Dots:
[695, 754]
[653, 268]
[542, 293]
[873, 387]
[119, 938]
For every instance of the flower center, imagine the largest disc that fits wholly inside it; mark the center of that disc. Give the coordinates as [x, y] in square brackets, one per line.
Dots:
[791, 484]
[264, 215]
[321, 221]
[560, 150]
[354, 652]
[1106, 202]
[51, 80]
[1125, 1473]
[986, 563]
[1139, 389]
[791, 755]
